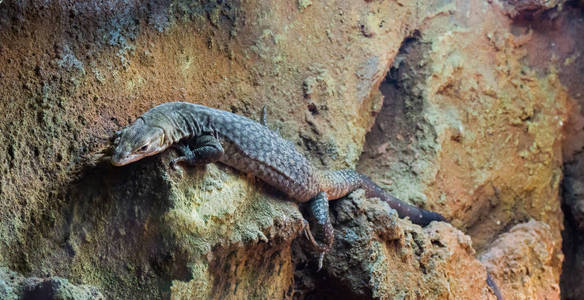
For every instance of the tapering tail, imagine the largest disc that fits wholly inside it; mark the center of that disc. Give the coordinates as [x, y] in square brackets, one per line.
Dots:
[339, 183]
[417, 215]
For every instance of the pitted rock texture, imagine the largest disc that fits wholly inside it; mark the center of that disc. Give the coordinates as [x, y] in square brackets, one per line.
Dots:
[75, 72]
[379, 256]
[529, 9]
[474, 127]
[477, 133]
[523, 261]
[14, 286]
[554, 42]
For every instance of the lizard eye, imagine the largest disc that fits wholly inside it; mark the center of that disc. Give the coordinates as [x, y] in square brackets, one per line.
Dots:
[143, 148]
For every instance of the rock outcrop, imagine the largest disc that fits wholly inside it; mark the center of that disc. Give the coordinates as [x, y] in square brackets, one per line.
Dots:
[14, 286]
[468, 108]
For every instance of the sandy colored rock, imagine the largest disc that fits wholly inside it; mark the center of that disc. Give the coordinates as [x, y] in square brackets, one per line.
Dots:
[233, 236]
[467, 129]
[518, 9]
[75, 72]
[202, 232]
[524, 260]
[470, 122]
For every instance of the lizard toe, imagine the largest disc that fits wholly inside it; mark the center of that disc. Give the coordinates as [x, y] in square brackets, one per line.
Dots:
[320, 260]
[174, 164]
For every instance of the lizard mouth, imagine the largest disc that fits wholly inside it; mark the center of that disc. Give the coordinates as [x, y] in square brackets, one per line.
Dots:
[118, 160]
[122, 159]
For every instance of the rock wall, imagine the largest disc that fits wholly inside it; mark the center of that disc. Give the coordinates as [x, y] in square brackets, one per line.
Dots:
[468, 108]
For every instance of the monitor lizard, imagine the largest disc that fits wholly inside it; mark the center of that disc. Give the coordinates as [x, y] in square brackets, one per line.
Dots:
[204, 135]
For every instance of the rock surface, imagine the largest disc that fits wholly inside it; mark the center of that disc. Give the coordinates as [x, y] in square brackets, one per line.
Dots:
[573, 191]
[14, 286]
[524, 260]
[379, 256]
[472, 107]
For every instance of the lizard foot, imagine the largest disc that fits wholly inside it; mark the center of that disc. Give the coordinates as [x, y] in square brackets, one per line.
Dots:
[318, 217]
[174, 164]
[321, 249]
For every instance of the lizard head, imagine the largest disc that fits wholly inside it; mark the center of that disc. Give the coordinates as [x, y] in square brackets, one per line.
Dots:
[137, 141]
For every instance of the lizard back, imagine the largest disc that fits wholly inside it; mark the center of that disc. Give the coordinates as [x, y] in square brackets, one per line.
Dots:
[249, 147]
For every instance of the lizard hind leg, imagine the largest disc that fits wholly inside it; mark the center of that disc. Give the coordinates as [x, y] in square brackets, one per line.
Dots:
[318, 218]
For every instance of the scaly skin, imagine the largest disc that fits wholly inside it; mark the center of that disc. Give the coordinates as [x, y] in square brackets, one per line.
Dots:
[205, 135]
[248, 147]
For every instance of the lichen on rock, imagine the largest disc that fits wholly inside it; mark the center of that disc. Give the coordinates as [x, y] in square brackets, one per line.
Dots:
[472, 107]
[376, 255]
[14, 286]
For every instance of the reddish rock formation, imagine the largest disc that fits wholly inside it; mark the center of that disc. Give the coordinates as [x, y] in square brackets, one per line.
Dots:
[472, 107]
[525, 261]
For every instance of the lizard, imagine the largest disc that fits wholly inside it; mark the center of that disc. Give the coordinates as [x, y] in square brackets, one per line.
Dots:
[205, 135]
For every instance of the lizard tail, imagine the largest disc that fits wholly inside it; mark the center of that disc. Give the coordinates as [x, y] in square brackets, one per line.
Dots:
[339, 183]
[417, 215]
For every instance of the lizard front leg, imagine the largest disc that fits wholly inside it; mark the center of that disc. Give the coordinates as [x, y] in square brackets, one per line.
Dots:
[207, 149]
[318, 218]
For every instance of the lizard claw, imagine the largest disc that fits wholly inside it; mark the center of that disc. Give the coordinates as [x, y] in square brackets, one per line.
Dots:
[176, 168]
[306, 231]
[320, 260]
[310, 237]
[264, 117]
[174, 163]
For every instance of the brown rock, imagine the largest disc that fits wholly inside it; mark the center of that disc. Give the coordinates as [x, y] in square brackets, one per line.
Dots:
[529, 8]
[377, 255]
[472, 126]
[524, 260]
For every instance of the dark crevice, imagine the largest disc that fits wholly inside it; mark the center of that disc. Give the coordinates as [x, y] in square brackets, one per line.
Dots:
[399, 122]
[400, 133]
[573, 235]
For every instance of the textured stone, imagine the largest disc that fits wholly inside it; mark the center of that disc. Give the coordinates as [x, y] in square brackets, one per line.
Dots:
[530, 8]
[477, 104]
[377, 255]
[524, 260]
[468, 124]
[15, 286]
